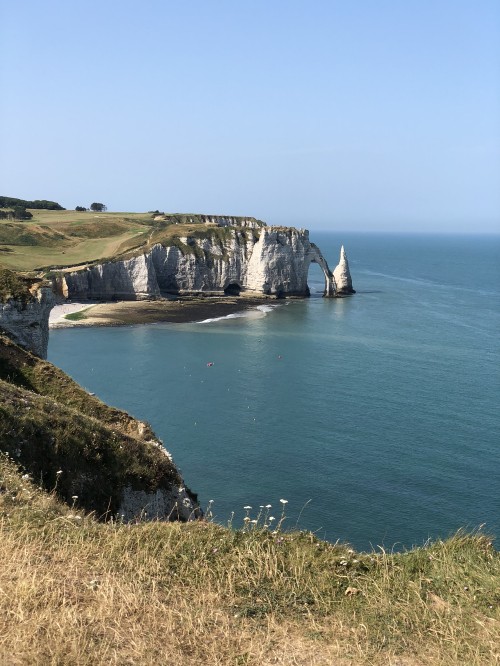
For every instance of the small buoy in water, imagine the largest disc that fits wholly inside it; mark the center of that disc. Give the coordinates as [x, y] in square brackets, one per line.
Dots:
[209, 365]
[279, 356]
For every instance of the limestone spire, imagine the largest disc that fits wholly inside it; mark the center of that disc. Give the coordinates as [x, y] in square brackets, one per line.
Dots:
[342, 275]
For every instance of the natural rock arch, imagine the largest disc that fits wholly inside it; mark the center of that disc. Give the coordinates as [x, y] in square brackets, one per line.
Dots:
[315, 257]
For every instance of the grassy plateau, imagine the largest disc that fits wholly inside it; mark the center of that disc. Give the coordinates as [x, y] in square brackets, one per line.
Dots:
[54, 238]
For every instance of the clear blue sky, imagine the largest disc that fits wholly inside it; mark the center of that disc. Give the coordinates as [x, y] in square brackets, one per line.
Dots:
[351, 114]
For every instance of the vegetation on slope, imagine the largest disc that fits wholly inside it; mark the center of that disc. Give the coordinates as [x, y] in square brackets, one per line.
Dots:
[76, 591]
[15, 286]
[26, 235]
[59, 238]
[55, 238]
[177, 234]
[70, 440]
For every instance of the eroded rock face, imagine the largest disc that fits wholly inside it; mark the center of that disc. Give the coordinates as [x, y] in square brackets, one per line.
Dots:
[170, 501]
[342, 275]
[268, 260]
[27, 322]
[175, 504]
[131, 279]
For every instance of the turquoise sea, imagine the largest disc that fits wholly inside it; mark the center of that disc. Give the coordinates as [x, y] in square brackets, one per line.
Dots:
[376, 416]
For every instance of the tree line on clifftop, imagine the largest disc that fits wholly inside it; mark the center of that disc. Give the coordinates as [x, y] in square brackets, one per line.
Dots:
[17, 208]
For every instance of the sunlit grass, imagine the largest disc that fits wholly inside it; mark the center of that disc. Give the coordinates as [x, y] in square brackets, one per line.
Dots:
[77, 591]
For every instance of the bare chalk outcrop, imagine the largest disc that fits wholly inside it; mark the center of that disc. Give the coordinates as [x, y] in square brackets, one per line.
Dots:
[26, 320]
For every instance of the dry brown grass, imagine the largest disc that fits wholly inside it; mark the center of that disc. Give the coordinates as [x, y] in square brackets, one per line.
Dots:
[73, 591]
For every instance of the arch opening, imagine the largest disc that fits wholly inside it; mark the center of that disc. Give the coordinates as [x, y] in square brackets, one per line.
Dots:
[316, 280]
[232, 289]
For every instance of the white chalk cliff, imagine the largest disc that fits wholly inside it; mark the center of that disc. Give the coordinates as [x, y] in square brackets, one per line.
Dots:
[268, 260]
[27, 320]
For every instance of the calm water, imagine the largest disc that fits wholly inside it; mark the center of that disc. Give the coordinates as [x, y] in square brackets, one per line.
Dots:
[375, 416]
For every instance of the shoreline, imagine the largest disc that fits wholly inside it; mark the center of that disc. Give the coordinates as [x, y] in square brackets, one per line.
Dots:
[189, 309]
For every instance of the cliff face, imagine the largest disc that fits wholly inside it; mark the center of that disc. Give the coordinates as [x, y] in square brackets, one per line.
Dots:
[130, 279]
[269, 260]
[27, 319]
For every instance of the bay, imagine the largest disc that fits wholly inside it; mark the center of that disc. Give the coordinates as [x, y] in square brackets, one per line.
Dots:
[375, 416]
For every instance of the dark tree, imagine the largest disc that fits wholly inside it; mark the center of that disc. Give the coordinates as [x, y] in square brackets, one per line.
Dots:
[80, 209]
[20, 213]
[97, 207]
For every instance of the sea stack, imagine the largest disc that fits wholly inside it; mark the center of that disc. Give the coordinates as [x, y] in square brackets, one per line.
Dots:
[342, 275]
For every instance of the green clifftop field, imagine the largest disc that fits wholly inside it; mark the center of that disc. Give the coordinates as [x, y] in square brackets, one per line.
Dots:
[70, 238]
[75, 590]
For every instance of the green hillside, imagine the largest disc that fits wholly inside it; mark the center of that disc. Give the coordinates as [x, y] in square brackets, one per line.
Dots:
[58, 238]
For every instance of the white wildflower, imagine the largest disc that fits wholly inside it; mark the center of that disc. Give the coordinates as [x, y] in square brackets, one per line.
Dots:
[283, 501]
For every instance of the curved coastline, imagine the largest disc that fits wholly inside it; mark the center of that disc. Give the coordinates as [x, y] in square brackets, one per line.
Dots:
[126, 313]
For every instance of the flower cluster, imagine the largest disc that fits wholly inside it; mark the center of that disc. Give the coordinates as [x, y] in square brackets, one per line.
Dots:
[263, 520]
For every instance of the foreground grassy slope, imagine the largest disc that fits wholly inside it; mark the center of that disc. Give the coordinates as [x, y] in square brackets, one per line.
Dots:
[49, 424]
[75, 591]
[69, 238]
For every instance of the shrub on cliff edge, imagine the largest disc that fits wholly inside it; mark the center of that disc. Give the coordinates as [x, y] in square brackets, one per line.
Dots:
[14, 286]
